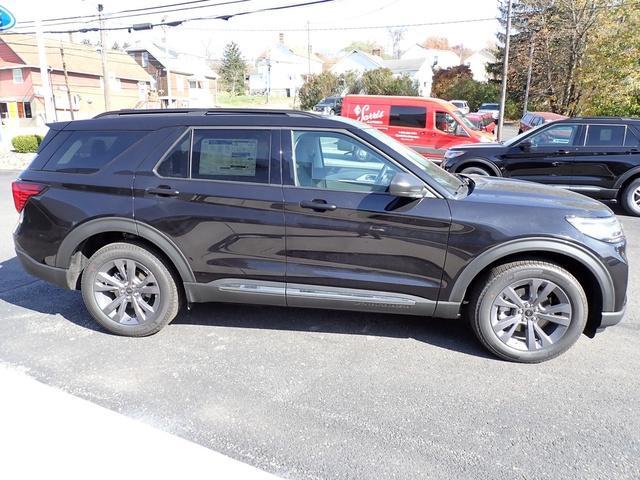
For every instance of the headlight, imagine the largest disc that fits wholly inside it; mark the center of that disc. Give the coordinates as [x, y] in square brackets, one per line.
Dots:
[606, 229]
[452, 154]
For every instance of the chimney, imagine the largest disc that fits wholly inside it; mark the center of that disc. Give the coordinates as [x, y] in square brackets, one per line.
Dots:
[376, 51]
[281, 37]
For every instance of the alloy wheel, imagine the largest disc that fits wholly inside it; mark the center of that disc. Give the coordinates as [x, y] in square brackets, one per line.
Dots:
[531, 314]
[126, 292]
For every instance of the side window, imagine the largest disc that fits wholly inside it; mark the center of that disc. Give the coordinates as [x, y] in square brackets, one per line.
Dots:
[413, 117]
[527, 118]
[605, 135]
[556, 135]
[176, 163]
[231, 155]
[631, 139]
[446, 123]
[335, 161]
[89, 151]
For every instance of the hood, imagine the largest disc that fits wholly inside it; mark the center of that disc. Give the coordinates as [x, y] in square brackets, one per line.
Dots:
[476, 146]
[518, 193]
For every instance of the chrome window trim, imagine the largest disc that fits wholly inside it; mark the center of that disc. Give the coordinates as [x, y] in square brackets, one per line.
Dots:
[586, 134]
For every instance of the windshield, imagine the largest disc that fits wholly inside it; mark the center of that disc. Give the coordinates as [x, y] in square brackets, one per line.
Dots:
[450, 182]
[517, 138]
[458, 104]
[489, 106]
[467, 122]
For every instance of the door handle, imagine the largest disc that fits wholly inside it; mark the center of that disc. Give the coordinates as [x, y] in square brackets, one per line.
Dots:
[318, 205]
[162, 191]
[558, 164]
[563, 152]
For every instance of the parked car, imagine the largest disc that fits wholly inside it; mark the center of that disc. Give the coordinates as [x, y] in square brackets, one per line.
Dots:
[329, 106]
[428, 125]
[597, 156]
[146, 210]
[461, 105]
[532, 119]
[482, 121]
[492, 108]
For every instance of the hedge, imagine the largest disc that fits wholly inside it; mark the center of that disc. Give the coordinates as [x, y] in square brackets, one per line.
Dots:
[26, 143]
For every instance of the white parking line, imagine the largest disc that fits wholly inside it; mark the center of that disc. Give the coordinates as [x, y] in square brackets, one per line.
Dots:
[48, 433]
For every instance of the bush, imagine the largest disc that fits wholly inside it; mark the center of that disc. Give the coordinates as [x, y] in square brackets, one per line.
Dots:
[26, 143]
[318, 87]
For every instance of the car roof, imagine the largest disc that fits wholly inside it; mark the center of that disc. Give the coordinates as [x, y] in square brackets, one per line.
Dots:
[402, 100]
[154, 119]
[635, 121]
[548, 115]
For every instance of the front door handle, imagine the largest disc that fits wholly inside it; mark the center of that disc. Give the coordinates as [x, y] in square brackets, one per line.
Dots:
[562, 151]
[162, 191]
[318, 205]
[558, 164]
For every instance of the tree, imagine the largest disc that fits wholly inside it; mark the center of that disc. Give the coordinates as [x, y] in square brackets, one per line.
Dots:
[233, 69]
[445, 77]
[396, 34]
[438, 43]
[368, 46]
[382, 82]
[317, 87]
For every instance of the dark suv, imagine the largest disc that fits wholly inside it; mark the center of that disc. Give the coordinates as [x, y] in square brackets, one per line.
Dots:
[146, 210]
[599, 157]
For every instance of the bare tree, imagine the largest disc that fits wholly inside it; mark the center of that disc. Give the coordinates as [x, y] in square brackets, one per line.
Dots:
[396, 34]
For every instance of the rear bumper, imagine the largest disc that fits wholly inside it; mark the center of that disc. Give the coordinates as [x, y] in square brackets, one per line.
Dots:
[56, 276]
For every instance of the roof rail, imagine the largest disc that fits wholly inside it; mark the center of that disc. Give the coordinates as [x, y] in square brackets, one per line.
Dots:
[206, 111]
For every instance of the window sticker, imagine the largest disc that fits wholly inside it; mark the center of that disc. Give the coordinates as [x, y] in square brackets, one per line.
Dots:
[232, 157]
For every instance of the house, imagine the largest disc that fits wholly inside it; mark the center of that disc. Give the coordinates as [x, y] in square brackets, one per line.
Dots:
[21, 94]
[418, 69]
[191, 82]
[281, 70]
[478, 62]
[357, 61]
[438, 58]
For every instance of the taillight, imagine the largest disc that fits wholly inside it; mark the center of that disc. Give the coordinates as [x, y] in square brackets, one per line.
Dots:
[23, 191]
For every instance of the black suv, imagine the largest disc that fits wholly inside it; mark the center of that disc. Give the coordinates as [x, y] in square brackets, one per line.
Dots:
[599, 157]
[329, 105]
[146, 210]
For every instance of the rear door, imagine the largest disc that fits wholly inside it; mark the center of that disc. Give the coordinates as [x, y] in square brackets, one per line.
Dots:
[348, 239]
[217, 194]
[546, 156]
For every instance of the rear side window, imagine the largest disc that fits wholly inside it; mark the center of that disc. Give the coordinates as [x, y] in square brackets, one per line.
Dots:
[231, 155]
[176, 163]
[88, 152]
[605, 135]
[413, 117]
[631, 139]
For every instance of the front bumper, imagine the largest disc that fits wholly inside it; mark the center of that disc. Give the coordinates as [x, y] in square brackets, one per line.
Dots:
[611, 318]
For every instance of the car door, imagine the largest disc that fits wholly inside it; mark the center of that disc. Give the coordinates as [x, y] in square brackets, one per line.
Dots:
[447, 132]
[216, 193]
[407, 124]
[544, 156]
[609, 151]
[350, 243]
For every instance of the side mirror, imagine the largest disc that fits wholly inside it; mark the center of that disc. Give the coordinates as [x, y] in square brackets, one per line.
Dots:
[407, 186]
[525, 145]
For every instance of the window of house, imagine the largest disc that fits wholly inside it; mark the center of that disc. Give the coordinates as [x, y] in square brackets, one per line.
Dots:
[17, 75]
[176, 163]
[89, 151]
[605, 135]
[335, 161]
[231, 155]
[413, 117]
[144, 60]
[195, 84]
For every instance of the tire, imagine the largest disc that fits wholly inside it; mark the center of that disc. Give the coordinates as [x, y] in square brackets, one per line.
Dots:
[476, 170]
[630, 197]
[332, 112]
[132, 305]
[514, 333]
[520, 132]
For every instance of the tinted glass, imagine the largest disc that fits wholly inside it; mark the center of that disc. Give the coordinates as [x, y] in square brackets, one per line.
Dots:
[88, 152]
[176, 163]
[527, 118]
[414, 117]
[632, 139]
[335, 161]
[605, 135]
[231, 155]
[555, 136]
[446, 123]
[489, 106]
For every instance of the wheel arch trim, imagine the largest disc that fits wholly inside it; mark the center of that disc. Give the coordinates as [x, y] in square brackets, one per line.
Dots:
[536, 245]
[481, 161]
[125, 225]
[634, 172]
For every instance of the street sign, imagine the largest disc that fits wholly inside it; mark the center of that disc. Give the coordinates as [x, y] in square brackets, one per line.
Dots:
[7, 20]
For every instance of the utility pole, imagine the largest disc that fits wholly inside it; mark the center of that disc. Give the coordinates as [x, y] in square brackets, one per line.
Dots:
[268, 77]
[66, 81]
[505, 72]
[525, 107]
[308, 49]
[105, 72]
[166, 64]
[49, 111]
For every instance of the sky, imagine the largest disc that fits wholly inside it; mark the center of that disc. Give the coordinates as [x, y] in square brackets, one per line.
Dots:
[332, 25]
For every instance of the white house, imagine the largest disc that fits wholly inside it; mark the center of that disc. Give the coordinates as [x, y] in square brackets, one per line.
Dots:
[281, 70]
[438, 58]
[357, 61]
[478, 62]
[419, 69]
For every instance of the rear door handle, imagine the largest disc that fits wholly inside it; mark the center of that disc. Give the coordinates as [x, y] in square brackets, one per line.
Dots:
[558, 164]
[162, 191]
[318, 205]
[563, 152]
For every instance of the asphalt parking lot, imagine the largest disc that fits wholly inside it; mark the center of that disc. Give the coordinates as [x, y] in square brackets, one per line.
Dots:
[312, 394]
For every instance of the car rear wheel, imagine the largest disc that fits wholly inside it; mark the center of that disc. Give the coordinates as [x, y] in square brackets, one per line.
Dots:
[475, 170]
[129, 290]
[528, 311]
[630, 197]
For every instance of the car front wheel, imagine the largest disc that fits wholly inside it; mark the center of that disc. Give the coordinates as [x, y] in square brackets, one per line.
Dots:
[475, 170]
[630, 197]
[528, 311]
[129, 290]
